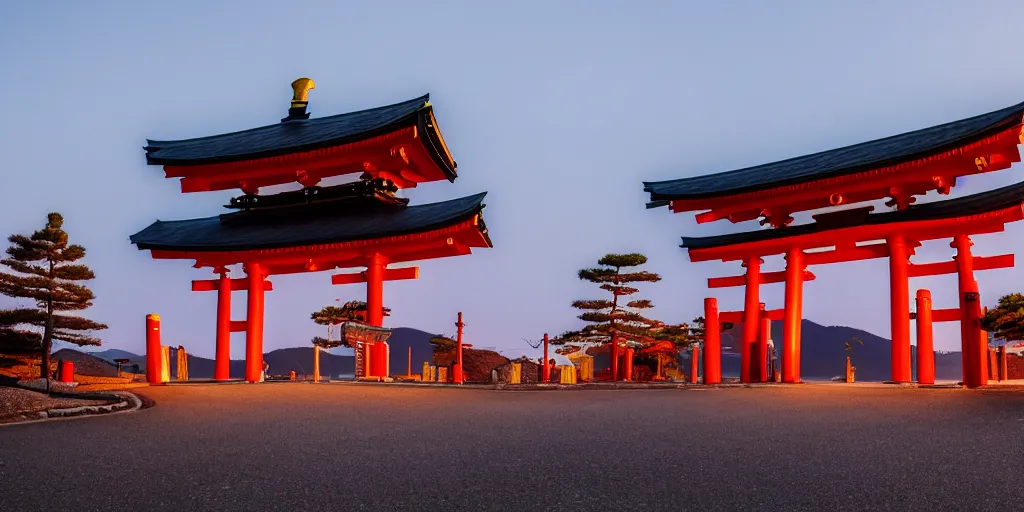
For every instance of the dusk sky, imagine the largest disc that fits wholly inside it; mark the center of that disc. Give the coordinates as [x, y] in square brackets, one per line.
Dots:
[559, 110]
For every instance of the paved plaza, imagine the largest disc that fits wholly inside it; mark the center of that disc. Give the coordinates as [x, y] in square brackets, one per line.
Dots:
[358, 447]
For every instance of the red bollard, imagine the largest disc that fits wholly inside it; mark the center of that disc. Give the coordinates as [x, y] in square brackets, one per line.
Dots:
[628, 363]
[925, 344]
[1002, 362]
[154, 358]
[712, 343]
[694, 367]
[67, 371]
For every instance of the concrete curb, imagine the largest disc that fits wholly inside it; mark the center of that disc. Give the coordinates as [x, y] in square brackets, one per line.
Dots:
[128, 403]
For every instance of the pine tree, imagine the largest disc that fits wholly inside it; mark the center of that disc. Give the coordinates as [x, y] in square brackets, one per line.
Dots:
[45, 271]
[610, 319]
[1006, 320]
[354, 310]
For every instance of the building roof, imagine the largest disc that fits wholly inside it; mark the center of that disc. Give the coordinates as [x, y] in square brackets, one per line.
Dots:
[304, 225]
[296, 135]
[862, 157]
[984, 202]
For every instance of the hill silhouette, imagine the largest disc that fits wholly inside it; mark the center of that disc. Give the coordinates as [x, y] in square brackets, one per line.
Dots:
[281, 361]
[823, 353]
[823, 356]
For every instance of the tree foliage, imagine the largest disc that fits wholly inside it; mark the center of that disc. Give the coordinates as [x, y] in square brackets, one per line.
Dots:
[1006, 320]
[697, 329]
[619, 317]
[443, 343]
[353, 310]
[45, 270]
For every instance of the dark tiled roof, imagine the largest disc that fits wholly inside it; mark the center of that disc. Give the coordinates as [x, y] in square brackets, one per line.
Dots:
[301, 225]
[295, 136]
[837, 162]
[984, 202]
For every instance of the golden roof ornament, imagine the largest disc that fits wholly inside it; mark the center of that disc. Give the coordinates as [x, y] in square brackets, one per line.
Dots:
[300, 99]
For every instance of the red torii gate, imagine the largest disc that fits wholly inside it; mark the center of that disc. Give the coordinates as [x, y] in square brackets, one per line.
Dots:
[898, 167]
[852, 243]
[359, 224]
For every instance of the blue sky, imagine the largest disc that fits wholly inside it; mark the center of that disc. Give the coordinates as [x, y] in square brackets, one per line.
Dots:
[558, 109]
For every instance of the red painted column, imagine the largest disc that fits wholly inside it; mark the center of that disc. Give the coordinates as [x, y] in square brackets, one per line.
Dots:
[380, 359]
[793, 315]
[457, 376]
[254, 322]
[695, 363]
[408, 370]
[712, 343]
[762, 359]
[375, 264]
[925, 345]
[615, 357]
[760, 353]
[751, 318]
[222, 360]
[154, 359]
[899, 306]
[993, 360]
[1002, 363]
[977, 346]
[628, 363]
[966, 284]
[545, 368]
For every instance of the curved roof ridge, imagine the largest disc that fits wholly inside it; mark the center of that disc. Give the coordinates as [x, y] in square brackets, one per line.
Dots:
[286, 137]
[839, 161]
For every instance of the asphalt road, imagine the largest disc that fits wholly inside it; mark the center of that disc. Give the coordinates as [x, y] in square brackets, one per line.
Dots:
[344, 447]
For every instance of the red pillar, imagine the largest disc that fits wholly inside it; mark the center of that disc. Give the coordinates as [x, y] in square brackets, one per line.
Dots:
[977, 347]
[380, 359]
[993, 361]
[545, 368]
[67, 371]
[615, 357]
[695, 363]
[966, 284]
[925, 346]
[793, 315]
[254, 322]
[760, 354]
[457, 376]
[899, 306]
[712, 343]
[751, 317]
[628, 363]
[222, 360]
[154, 359]
[408, 370]
[1002, 363]
[375, 264]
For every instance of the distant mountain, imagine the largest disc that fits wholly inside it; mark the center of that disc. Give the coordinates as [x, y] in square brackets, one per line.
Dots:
[85, 363]
[281, 361]
[113, 353]
[823, 356]
[823, 353]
